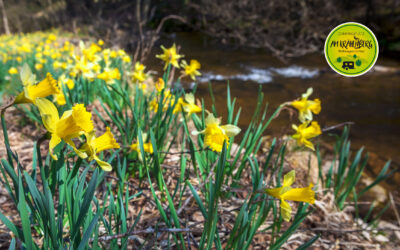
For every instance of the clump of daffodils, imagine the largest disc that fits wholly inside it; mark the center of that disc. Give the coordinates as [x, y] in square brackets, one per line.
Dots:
[308, 128]
[86, 60]
[72, 124]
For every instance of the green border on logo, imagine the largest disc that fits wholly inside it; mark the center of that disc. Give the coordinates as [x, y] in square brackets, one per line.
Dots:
[376, 52]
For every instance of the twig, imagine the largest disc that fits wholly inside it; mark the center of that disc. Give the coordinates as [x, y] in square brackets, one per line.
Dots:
[394, 208]
[343, 231]
[337, 126]
[176, 153]
[145, 231]
[183, 152]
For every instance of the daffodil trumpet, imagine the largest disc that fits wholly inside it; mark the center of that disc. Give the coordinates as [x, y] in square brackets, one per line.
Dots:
[32, 91]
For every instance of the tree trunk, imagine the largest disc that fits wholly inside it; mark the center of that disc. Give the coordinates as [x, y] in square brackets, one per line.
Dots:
[5, 20]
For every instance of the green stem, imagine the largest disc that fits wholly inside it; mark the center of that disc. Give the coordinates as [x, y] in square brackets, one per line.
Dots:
[6, 141]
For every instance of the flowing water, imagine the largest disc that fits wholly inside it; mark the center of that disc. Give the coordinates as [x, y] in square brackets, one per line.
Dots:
[371, 101]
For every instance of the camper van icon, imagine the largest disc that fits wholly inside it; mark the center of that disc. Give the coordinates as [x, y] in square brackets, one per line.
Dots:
[348, 65]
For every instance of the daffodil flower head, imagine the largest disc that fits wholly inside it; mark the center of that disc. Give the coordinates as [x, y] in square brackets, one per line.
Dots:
[110, 75]
[307, 107]
[160, 84]
[138, 74]
[60, 99]
[95, 145]
[72, 124]
[46, 87]
[139, 67]
[286, 192]
[215, 135]
[64, 80]
[187, 104]
[148, 147]
[153, 105]
[13, 71]
[305, 132]
[191, 69]
[170, 56]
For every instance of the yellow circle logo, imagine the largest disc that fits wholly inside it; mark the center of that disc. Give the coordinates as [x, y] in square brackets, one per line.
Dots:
[351, 49]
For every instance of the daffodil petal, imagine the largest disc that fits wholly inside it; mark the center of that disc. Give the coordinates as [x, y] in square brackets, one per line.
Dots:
[305, 194]
[104, 165]
[274, 192]
[289, 178]
[54, 141]
[286, 211]
[231, 130]
[27, 77]
[80, 153]
[308, 93]
[49, 113]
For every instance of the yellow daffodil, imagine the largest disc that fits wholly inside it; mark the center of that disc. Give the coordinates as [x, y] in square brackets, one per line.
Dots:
[64, 80]
[72, 124]
[95, 145]
[148, 147]
[305, 132]
[287, 193]
[109, 76]
[126, 59]
[45, 88]
[38, 66]
[113, 54]
[90, 53]
[60, 99]
[13, 71]
[138, 74]
[215, 135]
[160, 84]
[52, 37]
[191, 69]
[170, 56]
[307, 107]
[187, 105]
[154, 105]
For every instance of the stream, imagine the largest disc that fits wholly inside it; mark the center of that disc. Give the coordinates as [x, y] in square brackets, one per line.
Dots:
[371, 101]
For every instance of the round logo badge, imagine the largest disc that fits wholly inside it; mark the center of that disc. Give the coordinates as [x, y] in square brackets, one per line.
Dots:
[351, 49]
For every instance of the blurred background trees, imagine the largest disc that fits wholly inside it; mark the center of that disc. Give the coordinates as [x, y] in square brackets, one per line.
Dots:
[286, 28]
